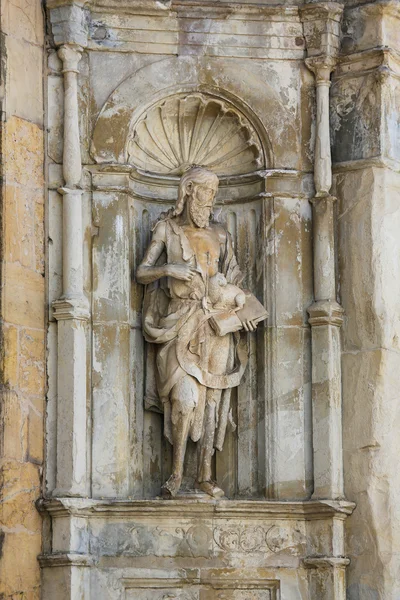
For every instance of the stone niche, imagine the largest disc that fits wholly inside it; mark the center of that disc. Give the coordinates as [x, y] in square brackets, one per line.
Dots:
[159, 88]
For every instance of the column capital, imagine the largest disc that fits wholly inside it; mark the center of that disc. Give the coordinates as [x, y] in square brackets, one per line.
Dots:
[325, 312]
[70, 55]
[322, 67]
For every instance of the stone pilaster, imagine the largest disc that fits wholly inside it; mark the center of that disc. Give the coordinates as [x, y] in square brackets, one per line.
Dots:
[365, 97]
[321, 27]
[72, 309]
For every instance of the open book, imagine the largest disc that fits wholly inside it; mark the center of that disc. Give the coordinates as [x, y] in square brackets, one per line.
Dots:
[228, 322]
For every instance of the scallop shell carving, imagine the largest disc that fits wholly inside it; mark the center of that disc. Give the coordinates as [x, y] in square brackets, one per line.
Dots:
[194, 129]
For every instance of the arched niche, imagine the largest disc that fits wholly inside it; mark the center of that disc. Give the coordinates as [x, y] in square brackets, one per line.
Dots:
[135, 458]
[250, 94]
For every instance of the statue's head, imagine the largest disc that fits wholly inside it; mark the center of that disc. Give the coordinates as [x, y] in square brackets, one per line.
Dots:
[197, 189]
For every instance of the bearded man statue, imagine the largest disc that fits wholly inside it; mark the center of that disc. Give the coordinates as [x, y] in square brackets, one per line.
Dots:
[197, 365]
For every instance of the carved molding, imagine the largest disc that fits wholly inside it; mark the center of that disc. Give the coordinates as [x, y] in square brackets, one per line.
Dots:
[325, 313]
[326, 562]
[191, 585]
[159, 509]
[192, 129]
[65, 559]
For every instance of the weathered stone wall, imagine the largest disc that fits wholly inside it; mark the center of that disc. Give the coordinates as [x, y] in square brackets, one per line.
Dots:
[365, 127]
[266, 53]
[22, 296]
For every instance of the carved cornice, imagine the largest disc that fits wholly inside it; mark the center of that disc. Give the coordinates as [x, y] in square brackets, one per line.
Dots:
[362, 63]
[326, 562]
[243, 509]
[163, 6]
[375, 162]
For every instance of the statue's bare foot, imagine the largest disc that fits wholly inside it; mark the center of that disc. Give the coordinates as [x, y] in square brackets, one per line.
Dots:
[210, 488]
[171, 487]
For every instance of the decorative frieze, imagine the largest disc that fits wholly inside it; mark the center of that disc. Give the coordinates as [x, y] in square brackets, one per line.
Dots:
[134, 546]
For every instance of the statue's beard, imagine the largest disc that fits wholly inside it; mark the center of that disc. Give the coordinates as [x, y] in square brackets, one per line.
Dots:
[200, 215]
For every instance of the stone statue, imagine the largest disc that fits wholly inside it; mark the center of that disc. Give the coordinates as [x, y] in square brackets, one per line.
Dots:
[195, 309]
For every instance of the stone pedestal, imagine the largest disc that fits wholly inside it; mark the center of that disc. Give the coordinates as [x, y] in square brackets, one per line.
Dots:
[194, 550]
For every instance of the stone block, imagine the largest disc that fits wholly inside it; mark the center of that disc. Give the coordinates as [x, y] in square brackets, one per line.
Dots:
[23, 296]
[24, 80]
[39, 225]
[370, 425]
[10, 357]
[23, 19]
[368, 247]
[71, 408]
[19, 225]
[15, 424]
[355, 110]
[24, 153]
[35, 436]
[21, 486]
[19, 568]
[69, 25]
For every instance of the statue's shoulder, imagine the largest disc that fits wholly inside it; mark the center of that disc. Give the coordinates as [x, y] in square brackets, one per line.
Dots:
[220, 231]
[160, 230]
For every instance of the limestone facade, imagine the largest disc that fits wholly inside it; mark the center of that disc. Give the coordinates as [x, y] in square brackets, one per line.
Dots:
[23, 328]
[295, 105]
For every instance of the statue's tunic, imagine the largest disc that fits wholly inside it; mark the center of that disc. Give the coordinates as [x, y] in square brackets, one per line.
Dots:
[175, 318]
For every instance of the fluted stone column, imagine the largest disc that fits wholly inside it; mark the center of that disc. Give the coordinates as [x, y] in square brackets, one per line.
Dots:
[71, 310]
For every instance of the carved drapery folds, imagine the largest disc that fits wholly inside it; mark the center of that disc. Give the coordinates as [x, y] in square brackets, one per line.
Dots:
[322, 31]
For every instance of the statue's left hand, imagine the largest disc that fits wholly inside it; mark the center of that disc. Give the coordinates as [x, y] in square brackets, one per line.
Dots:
[249, 325]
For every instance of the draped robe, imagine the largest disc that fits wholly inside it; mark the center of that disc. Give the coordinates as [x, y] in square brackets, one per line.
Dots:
[175, 318]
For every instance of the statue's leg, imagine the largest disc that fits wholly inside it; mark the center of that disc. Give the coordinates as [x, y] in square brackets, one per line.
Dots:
[206, 446]
[184, 399]
[218, 362]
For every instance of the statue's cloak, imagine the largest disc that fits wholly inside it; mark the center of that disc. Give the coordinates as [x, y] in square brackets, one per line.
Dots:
[174, 318]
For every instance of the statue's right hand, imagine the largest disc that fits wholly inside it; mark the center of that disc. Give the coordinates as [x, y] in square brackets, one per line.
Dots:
[181, 271]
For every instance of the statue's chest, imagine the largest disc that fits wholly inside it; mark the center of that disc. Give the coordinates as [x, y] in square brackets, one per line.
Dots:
[206, 246]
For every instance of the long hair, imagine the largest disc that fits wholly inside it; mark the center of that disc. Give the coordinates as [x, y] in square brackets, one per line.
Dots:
[194, 174]
[198, 175]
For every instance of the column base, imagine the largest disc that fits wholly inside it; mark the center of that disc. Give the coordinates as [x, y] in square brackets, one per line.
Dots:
[72, 308]
[325, 312]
